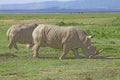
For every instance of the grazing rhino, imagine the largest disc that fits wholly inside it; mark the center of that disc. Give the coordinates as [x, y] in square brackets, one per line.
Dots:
[65, 38]
[21, 34]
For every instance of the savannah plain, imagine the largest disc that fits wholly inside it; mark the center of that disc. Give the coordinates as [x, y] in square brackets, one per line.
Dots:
[20, 65]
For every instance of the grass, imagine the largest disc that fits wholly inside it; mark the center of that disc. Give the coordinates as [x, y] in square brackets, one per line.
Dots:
[20, 65]
[52, 69]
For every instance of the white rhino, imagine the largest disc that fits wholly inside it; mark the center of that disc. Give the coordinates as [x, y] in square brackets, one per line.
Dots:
[21, 34]
[65, 38]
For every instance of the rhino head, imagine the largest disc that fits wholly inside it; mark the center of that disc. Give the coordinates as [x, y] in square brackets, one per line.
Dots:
[89, 50]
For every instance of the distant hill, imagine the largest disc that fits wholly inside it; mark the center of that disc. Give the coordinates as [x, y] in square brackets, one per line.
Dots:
[69, 6]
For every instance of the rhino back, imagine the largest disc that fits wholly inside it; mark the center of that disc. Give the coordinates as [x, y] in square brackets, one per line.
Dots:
[56, 37]
[25, 34]
[21, 33]
[48, 35]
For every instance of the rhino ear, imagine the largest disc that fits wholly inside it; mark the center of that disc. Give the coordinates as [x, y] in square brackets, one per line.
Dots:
[90, 37]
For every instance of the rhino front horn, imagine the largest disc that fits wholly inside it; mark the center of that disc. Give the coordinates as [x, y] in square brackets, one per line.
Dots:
[98, 52]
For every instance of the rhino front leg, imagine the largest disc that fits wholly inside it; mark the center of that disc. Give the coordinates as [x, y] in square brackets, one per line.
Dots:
[65, 51]
[35, 50]
[76, 54]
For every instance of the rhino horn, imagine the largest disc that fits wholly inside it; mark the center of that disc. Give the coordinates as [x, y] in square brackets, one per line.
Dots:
[98, 52]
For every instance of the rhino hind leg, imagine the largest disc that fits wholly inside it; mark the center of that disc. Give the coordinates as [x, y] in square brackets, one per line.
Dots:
[35, 50]
[29, 45]
[12, 44]
[15, 46]
[76, 54]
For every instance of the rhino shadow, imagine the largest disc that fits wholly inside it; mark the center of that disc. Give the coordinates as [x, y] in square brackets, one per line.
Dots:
[107, 57]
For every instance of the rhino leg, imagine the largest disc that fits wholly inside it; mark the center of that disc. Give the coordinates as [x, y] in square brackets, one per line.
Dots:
[11, 44]
[29, 45]
[76, 54]
[65, 51]
[15, 46]
[35, 50]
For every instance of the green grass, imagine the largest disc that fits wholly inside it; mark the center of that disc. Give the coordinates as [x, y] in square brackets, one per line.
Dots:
[20, 65]
[58, 16]
[52, 69]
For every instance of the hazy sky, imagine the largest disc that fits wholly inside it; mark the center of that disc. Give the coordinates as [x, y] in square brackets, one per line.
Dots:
[25, 1]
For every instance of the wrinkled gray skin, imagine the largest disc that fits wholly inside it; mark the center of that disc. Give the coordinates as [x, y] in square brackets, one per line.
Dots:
[21, 34]
[65, 38]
